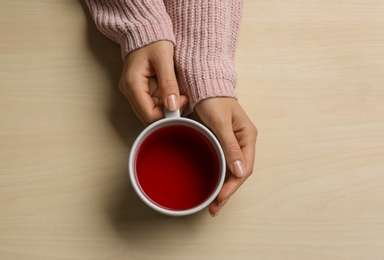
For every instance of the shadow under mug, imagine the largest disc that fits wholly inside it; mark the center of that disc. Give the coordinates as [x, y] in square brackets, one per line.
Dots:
[176, 165]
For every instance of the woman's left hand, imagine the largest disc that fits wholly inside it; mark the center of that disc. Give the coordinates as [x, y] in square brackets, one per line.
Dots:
[237, 135]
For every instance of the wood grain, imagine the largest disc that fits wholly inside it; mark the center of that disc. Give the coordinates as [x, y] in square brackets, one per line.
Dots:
[311, 78]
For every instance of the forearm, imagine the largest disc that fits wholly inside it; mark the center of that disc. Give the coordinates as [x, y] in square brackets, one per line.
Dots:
[132, 23]
[206, 39]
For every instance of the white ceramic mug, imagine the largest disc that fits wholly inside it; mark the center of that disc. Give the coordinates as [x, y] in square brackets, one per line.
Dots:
[177, 166]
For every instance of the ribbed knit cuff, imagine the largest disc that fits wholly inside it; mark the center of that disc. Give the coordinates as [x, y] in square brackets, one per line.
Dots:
[132, 23]
[145, 34]
[202, 89]
[201, 79]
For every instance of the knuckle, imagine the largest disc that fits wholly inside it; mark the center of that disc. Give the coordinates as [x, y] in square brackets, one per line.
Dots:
[251, 130]
[148, 118]
[125, 82]
[125, 86]
[123, 89]
[122, 85]
[169, 85]
[234, 148]
[254, 130]
[129, 76]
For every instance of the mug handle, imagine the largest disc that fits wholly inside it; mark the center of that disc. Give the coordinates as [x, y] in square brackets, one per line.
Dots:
[171, 114]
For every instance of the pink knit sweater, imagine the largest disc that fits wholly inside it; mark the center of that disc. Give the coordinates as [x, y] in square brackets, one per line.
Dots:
[204, 33]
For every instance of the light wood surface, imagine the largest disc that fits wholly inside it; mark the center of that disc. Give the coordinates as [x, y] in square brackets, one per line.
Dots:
[311, 77]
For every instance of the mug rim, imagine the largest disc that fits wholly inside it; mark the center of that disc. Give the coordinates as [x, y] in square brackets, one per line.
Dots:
[169, 122]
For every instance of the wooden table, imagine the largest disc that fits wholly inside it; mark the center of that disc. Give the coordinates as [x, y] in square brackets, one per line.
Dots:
[311, 77]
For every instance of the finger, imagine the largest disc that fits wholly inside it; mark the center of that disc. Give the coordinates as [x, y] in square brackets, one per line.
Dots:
[138, 115]
[248, 146]
[232, 150]
[214, 208]
[229, 188]
[133, 106]
[246, 134]
[153, 87]
[183, 102]
[155, 93]
[141, 101]
[234, 157]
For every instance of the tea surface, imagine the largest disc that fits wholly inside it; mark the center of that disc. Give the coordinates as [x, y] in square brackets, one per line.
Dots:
[177, 167]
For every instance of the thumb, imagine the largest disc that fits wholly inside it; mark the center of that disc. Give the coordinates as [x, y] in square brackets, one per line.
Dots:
[232, 150]
[167, 82]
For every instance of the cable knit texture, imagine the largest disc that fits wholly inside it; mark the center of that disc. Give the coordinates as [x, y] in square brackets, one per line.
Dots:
[204, 33]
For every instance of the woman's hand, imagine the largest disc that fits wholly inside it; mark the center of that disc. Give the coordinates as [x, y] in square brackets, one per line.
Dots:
[237, 135]
[149, 82]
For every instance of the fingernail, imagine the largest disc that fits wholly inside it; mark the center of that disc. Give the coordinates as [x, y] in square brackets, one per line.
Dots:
[238, 168]
[215, 215]
[172, 102]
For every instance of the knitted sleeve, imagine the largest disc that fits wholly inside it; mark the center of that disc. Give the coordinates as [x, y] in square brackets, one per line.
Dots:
[132, 23]
[206, 39]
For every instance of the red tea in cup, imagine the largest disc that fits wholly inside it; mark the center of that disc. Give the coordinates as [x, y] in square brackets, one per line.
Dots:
[177, 167]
